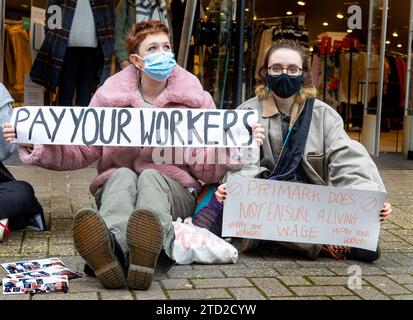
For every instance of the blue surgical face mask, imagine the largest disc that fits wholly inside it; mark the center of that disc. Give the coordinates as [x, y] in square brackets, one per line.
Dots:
[160, 65]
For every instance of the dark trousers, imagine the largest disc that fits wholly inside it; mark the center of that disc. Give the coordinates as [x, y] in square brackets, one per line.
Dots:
[18, 203]
[79, 73]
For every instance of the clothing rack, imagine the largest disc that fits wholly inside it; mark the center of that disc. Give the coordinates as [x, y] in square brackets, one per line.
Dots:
[324, 56]
[285, 27]
[276, 18]
[348, 108]
[12, 22]
[396, 54]
[273, 20]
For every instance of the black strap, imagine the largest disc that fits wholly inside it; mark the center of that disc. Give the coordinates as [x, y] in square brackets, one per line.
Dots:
[293, 151]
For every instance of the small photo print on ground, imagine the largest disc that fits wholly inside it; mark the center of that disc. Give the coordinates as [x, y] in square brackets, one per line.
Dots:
[47, 272]
[36, 285]
[26, 266]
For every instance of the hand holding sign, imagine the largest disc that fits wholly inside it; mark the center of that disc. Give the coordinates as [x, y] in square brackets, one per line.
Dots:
[258, 133]
[154, 127]
[221, 193]
[386, 212]
[301, 213]
[9, 134]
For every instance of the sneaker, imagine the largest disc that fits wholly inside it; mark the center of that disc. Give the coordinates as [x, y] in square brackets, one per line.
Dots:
[144, 236]
[344, 253]
[93, 242]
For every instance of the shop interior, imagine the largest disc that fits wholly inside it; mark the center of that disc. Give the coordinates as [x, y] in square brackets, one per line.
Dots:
[338, 54]
[17, 52]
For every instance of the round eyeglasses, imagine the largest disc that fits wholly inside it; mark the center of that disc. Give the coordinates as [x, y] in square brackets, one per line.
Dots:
[277, 69]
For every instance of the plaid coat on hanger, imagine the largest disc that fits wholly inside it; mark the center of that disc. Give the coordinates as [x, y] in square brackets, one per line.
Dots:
[49, 60]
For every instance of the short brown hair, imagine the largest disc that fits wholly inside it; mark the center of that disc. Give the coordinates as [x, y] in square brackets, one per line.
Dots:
[140, 31]
[308, 88]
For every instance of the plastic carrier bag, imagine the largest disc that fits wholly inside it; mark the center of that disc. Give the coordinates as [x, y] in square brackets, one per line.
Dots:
[194, 244]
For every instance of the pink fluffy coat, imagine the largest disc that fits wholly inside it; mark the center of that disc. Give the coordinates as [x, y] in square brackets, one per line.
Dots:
[183, 90]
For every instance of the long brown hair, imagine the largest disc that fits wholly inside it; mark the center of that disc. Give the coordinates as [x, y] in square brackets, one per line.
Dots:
[308, 90]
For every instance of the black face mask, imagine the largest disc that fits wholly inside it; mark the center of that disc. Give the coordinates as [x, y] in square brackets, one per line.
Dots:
[284, 86]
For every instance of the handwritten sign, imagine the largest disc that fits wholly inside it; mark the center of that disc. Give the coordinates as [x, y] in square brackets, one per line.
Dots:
[134, 126]
[302, 213]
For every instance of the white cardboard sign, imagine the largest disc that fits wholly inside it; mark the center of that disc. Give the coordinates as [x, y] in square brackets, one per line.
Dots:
[157, 127]
[302, 213]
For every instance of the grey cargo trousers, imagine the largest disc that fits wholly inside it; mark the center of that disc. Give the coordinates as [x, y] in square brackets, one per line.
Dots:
[126, 191]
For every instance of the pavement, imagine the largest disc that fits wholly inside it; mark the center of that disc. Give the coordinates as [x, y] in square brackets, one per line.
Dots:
[266, 274]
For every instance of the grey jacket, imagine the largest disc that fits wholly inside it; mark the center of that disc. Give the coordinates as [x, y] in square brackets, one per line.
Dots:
[330, 157]
[6, 149]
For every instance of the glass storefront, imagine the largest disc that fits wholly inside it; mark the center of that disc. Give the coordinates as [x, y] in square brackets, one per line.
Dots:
[16, 53]
[212, 50]
[360, 72]
[374, 90]
[348, 65]
[408, 111]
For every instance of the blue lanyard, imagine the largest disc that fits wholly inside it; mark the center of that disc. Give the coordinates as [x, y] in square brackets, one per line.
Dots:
[288, 136]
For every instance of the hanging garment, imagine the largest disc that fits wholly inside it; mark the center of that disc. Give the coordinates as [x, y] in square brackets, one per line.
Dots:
[358, 74]
[18, 57]
[152, 10]
[402, 71]
[329, 72]
[315, 69]
[265, 43]
[83, 30]
[49, 60]
[392, 101]
[374, 75]
[259, 29]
